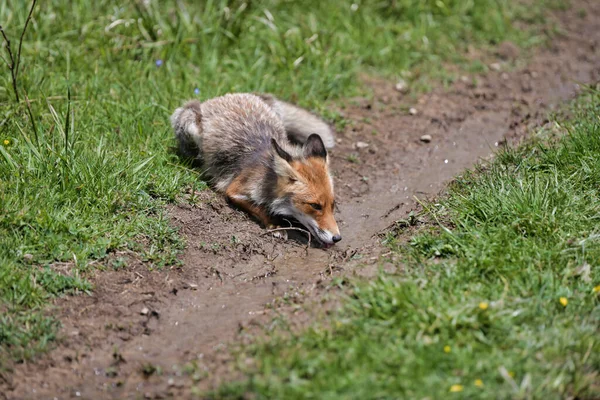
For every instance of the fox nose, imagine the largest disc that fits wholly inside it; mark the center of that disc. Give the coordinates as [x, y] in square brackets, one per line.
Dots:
[336, 238]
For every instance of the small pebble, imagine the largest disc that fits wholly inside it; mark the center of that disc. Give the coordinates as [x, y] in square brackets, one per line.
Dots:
[504, 76]
[144, 311]
[495, 66]
[426, 138]
[412, 111]
[401, 86]
[362, 145]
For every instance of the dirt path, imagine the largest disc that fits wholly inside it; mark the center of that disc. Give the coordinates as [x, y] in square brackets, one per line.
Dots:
[134, 335]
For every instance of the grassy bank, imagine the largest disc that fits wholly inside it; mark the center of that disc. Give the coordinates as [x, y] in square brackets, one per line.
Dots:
[499, 296]
[86, 169]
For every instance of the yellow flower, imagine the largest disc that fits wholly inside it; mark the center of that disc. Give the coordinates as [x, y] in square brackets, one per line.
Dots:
[597, 289]
[478, 383]
[564, 301]
[447, 349]
[6, 142]
[483, 305]
[456, 388]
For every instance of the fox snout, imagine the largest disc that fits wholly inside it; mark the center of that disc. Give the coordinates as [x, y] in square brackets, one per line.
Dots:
[327, 230]
[329, 239]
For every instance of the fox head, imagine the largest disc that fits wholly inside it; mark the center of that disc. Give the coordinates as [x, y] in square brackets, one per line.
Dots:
[305, 188]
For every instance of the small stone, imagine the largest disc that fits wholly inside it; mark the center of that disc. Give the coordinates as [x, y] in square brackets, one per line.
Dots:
[412, 111]
[145, 311]
[426, 138]
[504, 76]
[283, 235]
[401, 86]
[533, 74]
[338, 140]
[362, 145]
[495, 66]
[464, 79]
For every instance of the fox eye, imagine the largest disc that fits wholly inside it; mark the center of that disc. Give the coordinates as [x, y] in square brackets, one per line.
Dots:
[316, 206]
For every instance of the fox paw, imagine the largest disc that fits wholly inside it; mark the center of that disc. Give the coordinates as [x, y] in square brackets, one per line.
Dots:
[281, 234]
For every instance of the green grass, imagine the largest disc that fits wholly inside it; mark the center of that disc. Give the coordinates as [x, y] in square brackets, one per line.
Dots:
[87, 170]
[499, 300]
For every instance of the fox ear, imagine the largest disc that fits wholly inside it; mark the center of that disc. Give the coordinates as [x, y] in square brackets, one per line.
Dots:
[314, 147]
[281, 152]
[282, 161]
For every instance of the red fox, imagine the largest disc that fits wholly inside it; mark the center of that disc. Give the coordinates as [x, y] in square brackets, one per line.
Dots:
[267, 156]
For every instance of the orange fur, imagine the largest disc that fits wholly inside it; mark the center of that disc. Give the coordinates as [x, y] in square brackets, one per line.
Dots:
[317, 189]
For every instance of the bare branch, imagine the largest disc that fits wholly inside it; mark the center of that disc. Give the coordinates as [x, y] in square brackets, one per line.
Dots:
[7, 46]
[22, 35]
[11, 66]
[15, 63]
[292, 228]
[32, 119]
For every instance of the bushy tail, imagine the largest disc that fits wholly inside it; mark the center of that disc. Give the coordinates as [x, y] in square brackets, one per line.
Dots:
[299, 123]
[186, 122]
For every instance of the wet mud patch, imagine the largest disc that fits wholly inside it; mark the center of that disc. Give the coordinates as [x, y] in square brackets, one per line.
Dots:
[158, 334]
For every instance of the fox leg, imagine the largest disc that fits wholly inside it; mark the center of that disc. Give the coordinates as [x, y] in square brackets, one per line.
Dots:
[235, 195]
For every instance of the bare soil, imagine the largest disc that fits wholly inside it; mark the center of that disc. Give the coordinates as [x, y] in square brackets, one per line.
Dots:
[133, 337]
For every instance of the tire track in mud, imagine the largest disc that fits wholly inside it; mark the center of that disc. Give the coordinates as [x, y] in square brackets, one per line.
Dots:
[138, 320]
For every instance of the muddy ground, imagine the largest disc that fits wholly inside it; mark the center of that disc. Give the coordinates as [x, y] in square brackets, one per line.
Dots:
[134, 335]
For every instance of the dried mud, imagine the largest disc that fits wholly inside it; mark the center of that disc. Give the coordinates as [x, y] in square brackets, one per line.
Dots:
[134, 335]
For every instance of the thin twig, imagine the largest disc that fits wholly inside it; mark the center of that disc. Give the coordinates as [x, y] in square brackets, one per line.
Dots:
[32, 119]
[11, 66]
[15, 64]
[287, 228]
[292, 228]
[22, 35]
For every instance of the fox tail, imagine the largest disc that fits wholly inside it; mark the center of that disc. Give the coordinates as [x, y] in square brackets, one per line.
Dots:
[299, 123]
[186, 122]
